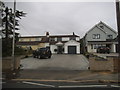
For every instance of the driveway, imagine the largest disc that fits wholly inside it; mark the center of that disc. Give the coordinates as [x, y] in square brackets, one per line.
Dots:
[57, 62]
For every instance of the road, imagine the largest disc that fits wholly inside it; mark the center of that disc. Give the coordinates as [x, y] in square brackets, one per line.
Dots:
[57, 62]
[55, 84]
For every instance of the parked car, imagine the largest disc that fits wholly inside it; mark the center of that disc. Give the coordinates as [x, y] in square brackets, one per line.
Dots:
[103, 49]
[42, 53]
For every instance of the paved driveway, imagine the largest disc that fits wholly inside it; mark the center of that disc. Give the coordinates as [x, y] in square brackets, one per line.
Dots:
[57, 62]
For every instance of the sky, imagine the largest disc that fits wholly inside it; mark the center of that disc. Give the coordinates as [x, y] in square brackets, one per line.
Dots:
[61, 18]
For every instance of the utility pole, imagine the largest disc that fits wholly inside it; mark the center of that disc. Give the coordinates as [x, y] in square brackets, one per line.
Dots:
[118, 23]
[13, 45]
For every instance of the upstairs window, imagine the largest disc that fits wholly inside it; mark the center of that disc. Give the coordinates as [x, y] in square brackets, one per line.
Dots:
[30, 39]
[21, 39]
[110, 36]
[96, 36]
[59, 39]
[52, 39]
[72, 38]
[38, 39]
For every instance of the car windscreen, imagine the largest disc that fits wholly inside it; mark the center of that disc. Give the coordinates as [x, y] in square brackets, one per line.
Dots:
[42, 49]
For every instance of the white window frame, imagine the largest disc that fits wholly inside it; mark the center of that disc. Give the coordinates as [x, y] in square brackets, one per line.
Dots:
[96, 36]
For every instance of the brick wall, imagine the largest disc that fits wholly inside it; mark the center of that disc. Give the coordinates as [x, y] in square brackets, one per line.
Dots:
[7, 63]
[101, 64]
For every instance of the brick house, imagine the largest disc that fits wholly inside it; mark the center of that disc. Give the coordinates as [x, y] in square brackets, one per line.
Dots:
[60, 44]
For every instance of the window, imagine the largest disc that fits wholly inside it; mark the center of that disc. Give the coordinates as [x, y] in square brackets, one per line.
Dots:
[48, 47]
[30, 39]
[38, 39]
[52, 39]
[59, 39]
[96, 46]
[21, 39]
[110, 36]
[91, 46]
[96, 36]
[72, 38]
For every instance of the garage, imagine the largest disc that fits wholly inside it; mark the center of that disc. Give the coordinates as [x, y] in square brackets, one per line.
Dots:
[71, 49]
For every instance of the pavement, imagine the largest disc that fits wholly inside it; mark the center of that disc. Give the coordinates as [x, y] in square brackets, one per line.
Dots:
[71, 75]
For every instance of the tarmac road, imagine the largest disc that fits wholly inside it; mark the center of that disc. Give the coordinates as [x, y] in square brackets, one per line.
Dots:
[56, 84]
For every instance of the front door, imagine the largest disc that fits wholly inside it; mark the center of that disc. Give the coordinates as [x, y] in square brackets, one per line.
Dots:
[59, 50]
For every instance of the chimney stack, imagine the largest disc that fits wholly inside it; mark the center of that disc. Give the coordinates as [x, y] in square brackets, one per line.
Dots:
[73, 33]
[47, 34]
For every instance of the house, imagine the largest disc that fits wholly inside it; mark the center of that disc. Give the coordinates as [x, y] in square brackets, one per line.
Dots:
[60, 44]
[100, 35]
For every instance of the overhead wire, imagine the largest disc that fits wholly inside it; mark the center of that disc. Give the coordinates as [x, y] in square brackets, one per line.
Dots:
[25, 30]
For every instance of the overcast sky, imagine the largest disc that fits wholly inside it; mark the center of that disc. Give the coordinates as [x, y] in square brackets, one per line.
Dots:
[64, 17]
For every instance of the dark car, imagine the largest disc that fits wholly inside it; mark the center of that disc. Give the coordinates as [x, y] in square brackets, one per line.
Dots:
[103, 49]
[42, 53]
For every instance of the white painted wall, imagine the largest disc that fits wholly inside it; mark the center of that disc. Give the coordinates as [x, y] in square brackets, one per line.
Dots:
[89, 49]
[55, 39]
[113, 48]
[77, 38]
[65, 49]
[72, 43]
[52, 47]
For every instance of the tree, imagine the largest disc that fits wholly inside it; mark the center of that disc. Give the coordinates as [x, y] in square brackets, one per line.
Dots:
[7, 27]
[8, 21]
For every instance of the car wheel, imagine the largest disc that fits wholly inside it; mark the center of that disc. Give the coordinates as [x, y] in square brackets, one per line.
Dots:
[49, 57]
[39, 57]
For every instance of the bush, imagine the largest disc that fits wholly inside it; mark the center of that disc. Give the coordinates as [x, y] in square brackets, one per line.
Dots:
[7, 48]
